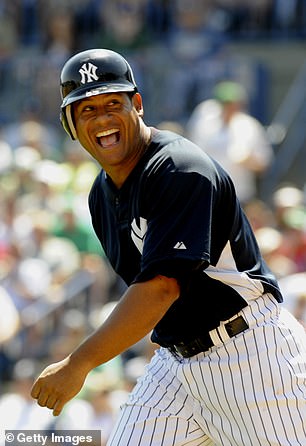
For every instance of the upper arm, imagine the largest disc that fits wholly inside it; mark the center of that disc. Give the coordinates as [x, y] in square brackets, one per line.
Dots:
[166, 289]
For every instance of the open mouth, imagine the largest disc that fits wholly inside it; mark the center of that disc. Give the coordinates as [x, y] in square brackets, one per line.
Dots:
[108, 138]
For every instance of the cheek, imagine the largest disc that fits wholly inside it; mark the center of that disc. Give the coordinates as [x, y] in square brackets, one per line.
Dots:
[81, 129]
[133, 124]
[83, 138]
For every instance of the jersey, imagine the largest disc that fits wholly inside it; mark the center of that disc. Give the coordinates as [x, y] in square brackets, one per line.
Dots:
[177, 215]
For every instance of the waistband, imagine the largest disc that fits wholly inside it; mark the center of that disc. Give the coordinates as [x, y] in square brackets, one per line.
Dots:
[257, 312]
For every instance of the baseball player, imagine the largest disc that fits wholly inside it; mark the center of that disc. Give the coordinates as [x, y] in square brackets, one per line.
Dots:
[231, 367]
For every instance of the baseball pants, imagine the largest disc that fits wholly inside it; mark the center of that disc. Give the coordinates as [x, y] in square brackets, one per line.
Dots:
[249, 390]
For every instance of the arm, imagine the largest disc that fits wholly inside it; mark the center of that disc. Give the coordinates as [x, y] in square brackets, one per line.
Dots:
[140, 309]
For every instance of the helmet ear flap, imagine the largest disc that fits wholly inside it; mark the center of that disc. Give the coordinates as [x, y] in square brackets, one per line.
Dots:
[67, 122]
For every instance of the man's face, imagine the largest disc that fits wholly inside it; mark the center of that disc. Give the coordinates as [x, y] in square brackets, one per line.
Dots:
[109, 128]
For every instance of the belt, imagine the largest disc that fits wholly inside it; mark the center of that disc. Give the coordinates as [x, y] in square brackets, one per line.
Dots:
[203, 343]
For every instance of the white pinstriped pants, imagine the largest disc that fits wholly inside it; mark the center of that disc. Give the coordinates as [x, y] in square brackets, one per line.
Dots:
[248, 391]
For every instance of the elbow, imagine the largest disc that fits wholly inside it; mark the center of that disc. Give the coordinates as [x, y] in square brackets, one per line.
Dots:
[169, 289]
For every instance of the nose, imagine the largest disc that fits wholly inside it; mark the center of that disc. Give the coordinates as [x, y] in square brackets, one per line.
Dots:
[102, 114]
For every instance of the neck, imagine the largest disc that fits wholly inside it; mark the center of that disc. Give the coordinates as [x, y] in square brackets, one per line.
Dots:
[120, 173]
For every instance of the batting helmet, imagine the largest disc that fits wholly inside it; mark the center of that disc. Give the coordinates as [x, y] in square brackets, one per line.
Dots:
[89, 73]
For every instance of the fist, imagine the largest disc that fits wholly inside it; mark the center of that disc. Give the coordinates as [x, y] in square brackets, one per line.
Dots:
[57, 384]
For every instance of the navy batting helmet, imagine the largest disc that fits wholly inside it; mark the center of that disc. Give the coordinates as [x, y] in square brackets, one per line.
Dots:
[89, 73]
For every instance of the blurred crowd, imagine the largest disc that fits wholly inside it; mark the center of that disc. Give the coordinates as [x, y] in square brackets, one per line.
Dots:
[55, 283]
[177, 46]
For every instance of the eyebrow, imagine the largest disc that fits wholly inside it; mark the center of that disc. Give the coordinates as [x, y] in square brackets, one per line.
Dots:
[108, 96]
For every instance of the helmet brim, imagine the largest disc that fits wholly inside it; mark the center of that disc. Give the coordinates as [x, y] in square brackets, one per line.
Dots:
[104, 88]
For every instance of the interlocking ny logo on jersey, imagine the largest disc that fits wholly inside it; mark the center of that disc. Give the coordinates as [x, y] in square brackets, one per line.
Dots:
[88, 73]
[138, 232]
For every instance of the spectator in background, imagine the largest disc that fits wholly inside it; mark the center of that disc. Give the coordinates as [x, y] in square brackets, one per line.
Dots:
[224, 129]
[184, 65]
[9, 318]
[124, 25]
[31, 130]
[244, 17]
[270, 237]
[290, 214]
[293, 288]
[17, 409]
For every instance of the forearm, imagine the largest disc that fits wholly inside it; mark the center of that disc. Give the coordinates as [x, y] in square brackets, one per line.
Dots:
[139, 310]
[136, 314]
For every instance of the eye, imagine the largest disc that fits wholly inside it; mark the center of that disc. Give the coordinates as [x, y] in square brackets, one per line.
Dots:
[87, 108]
[114, 104]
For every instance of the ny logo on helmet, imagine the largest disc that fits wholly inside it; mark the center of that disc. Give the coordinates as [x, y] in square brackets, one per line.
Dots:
[88, 73]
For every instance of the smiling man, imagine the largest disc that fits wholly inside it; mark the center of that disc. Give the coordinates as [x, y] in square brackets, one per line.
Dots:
[231, 367]
[120, 146]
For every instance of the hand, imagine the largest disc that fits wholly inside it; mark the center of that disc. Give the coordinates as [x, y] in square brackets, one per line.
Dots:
[57, 384]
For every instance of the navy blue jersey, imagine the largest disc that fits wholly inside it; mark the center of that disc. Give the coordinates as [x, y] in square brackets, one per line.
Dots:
[177, 215]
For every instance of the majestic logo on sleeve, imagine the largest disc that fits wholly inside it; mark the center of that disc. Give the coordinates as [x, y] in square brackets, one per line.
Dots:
[88, 73]
[138, 232]
[180, 245]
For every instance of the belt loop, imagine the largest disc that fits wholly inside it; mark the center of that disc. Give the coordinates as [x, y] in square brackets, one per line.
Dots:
[222, 332]
[214, 336]
[217, 337]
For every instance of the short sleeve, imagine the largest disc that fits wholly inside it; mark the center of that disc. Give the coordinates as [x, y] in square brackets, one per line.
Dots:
[178, 202]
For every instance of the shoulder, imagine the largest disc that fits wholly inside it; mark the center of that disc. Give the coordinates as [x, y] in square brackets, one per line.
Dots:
[174, 152]
[175, 164]
[96, 187]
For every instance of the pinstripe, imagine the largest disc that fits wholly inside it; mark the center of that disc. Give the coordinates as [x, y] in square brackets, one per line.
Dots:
[280, 374]
[217, 395]
[241, 415]
[153, 431]
[117, 431]
[237, 406]
[165, 429]
[258, 388]
[301, 365]
[280, 377]
[288, 411]
[143, 429]
[161, 397]
[248, 391]
[302, 391]
[155, 388]
[259, 337]
[176, 431]
[175, 399]
[207, 384]
[262, 377]
[147, 382]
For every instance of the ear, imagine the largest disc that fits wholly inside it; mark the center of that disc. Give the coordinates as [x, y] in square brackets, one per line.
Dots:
[137, 102]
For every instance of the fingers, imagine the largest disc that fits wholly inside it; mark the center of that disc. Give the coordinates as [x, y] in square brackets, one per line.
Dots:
[38, 394]
[55, 404]
[57, 408]
[55, 386]
[49, 401]
[42, 400]
[35, 390]
[45, 399]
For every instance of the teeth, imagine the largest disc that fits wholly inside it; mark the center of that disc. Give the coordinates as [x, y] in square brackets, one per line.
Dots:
[106, 133]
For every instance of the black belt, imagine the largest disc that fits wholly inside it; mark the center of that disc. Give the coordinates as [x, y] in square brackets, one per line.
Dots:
[204, 343]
